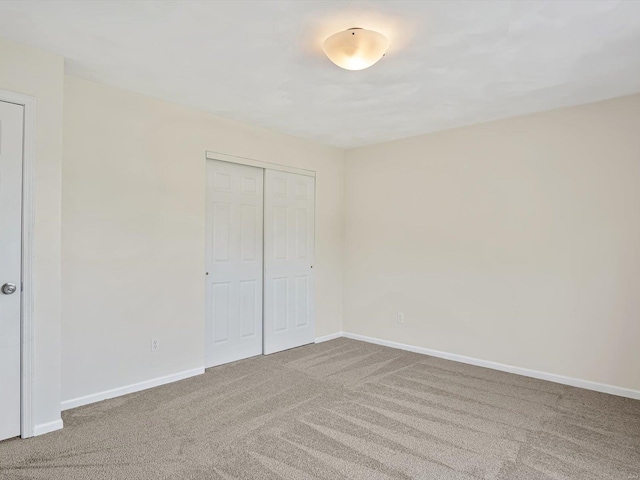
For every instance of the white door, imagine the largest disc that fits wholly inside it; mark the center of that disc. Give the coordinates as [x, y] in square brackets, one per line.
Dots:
[234, 262]
[289, 294]
[11, 130]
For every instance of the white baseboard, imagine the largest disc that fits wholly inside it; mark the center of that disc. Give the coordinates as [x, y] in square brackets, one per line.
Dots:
[134, 387]
[43, 428]
[331, 336]
[552, 377]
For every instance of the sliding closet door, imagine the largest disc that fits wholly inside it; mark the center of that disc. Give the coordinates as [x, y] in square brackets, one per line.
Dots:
[233, 262]
[289, 292]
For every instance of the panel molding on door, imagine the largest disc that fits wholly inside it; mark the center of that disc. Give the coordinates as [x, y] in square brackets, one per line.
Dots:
[233, 262]
[11, 152]
[289, 251]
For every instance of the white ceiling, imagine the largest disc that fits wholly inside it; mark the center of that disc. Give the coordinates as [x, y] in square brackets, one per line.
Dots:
[450, 63]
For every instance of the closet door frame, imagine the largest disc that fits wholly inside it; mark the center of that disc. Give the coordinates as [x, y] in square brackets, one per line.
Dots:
[258, 163]
[211, 155]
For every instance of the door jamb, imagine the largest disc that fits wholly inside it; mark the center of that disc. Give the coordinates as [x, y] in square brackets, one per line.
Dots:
[26, 286]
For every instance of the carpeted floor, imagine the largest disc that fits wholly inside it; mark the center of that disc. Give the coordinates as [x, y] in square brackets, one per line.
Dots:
[341, 409]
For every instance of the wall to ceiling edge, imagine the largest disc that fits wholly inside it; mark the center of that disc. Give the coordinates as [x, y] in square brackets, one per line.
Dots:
[514, 241]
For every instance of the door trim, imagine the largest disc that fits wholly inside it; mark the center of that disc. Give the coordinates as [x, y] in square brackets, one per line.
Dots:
[258, 163]
[26, 294]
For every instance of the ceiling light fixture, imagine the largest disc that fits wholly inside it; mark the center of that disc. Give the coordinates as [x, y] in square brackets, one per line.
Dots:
[356, 48]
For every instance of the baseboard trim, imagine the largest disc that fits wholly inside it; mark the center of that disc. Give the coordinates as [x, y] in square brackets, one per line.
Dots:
[331, 336]
[43, 428]
[551, 377]
[134, 387]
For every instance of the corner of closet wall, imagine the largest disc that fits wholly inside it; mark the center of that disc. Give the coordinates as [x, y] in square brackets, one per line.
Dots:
[343, 220]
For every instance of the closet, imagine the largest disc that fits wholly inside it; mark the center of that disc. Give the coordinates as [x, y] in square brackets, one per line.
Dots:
[260, 285]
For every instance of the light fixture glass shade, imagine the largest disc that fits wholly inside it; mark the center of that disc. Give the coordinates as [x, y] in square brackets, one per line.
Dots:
[356, 48]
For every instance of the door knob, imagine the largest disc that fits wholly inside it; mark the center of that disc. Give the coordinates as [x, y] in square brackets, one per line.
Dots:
[8, 288]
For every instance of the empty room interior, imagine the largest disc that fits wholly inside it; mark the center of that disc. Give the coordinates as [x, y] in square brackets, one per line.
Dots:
[298, 240]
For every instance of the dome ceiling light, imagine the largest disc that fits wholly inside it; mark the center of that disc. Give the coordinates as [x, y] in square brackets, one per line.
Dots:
[356, 48]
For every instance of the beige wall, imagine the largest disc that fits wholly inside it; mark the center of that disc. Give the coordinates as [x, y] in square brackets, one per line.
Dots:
[516, 241]
[40, 74]
[133, 231]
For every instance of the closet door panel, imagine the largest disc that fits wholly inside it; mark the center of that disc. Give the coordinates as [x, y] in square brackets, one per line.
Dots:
[233, 262]
[289, 298]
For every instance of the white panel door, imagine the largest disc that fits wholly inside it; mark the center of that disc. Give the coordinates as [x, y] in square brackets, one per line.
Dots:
[289, 294]
[11, 131]
[234, 262]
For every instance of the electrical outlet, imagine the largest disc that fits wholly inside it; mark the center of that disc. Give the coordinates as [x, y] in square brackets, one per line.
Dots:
[400, 318]
[155, 344]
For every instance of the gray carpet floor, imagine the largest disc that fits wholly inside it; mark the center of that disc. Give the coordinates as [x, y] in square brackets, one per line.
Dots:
[336, 410]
